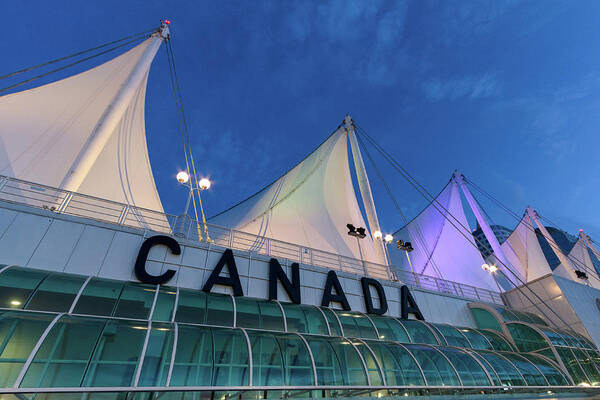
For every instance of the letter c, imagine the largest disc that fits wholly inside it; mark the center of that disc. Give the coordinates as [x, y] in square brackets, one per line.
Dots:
[140, 262]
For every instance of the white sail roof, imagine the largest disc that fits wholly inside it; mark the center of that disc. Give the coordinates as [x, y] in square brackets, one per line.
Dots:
[441, 249]
[45, 130]
[523, 251]
[581, 260]
[310, 205]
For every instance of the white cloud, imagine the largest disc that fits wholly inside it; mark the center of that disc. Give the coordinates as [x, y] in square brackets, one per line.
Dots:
[470, 87]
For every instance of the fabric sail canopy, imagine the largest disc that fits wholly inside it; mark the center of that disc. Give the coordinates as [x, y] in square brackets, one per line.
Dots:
[309, 205]
[441, 249]
[46, 130]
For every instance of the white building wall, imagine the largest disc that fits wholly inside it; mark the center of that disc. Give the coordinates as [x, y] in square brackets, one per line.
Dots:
[45, 240]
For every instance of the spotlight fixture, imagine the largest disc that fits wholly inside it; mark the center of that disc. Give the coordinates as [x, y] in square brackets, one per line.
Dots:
[356, 232]
[402, 245]
[581, 274]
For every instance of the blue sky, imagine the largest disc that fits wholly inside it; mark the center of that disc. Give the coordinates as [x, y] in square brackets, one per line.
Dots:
[505, 91]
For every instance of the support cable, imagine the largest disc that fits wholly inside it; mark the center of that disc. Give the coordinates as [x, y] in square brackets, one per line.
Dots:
[423, 191]
[76, 54]
[138, 38]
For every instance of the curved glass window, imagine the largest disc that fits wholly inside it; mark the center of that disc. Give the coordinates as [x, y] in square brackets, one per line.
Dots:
[116, 354]
[279, 360]
[17, 285]
[390, 329]
[418, 331]
[498, 342]
[485, 319]
[19, 333]
[304, 319]
[572, 365]
[469, 370]
[507, 314]
[488, 367]
[135, 301]
[552, 373]
[452, 336]
[555, 338]
[477, 340]
[196, 307]
[531, 374]
[157, 358]
[370, 362]
[526, 338]
[258, 314]
[399, 367]
[332, 321]
[435, 366]
[506, 371]
[337, 362]
[55, 293]
[99, 297]
[165, 304]
[356, 325]
[210, 357]
[62, 359]
[588, 366]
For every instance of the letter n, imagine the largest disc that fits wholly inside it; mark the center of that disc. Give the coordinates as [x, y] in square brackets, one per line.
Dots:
[292, 289]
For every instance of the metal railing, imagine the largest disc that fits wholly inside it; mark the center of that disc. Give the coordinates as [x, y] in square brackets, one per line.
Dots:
[70, 203]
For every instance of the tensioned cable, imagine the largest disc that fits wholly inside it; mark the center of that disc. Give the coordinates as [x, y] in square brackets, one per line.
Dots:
[423, 191]
[71, 64]
[75, 54]
[421, 239]
[551, 242]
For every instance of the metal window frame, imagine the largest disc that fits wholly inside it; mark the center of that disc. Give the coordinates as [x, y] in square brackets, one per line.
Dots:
[173, 353]
[312, 358]
[250, 355]
[535, 366]
[325, 318]
[485, 371]
[446, 358]
[285, 327]
[376, 361]
[362, 360]
[79, 293]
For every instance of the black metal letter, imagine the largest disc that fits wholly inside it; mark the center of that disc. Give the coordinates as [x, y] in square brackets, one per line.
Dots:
[339, 297]
[234, 278]
[140, 262]
[409, 305]
[291, 288]
[383, 305]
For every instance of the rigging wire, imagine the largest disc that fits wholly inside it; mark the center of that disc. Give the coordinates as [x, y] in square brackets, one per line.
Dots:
[424, 192]
[75, 54]
[70, 64]
[529, 225]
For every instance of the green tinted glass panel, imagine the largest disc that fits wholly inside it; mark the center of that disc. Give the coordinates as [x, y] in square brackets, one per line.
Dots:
[485, 320]
[419, 332]
[356, 325]
[555, 338]
[258, 314]
[552, 373]
[526, 338]
[63, 357]
[572, 365]
[506, 371]
[135, 301]
[588, 366]
[370, 362]
[452, 336]
[19, 333]
[469, 370]
[158, 355]
[399, 367]
[17, 285]
[499, 343]
[117, 354]
[337, 362]
[532, 375]
[191, 307]
[488, 367]
[536, 319]
[478, 341]
[507, 314]
[280, 359]
[219, 310]
[304, 319]
[210, 357]
[163, 310]
[435, 366]
[333, 322]
[55, 293]
[390, 329]
[99, 297]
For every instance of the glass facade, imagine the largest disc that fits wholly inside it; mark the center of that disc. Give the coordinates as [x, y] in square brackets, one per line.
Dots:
[69, 331]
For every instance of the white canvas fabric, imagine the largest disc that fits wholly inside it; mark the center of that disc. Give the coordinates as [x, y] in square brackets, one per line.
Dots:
[440, 249]
[523, 251]
[45, 130]
[310, 205]
[580, 258]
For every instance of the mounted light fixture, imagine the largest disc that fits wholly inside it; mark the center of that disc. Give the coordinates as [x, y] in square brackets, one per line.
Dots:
[377, 235]
[388, 238]
[183, 177]
[204, 184]
[356, 232]
[402, 245]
